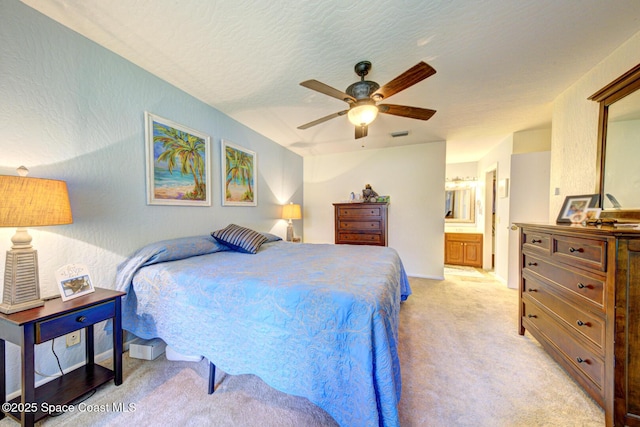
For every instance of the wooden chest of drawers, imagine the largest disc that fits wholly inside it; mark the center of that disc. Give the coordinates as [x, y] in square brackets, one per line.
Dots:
[361, 223]
[580, 298]
[463, 249]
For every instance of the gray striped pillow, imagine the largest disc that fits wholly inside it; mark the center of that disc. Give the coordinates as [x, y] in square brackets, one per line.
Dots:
[239, 239]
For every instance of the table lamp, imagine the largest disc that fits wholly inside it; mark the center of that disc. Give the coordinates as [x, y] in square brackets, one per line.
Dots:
[291, 211]
[28, 202]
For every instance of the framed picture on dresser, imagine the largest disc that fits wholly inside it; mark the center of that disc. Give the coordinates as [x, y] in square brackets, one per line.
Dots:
[574, 209]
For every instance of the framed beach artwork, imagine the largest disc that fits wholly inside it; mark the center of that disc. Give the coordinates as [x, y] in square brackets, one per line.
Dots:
[178, 163]
[239, 176]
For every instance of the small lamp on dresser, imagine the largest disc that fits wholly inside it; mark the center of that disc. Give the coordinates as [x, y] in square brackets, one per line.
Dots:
[28, 202]
[290, 212]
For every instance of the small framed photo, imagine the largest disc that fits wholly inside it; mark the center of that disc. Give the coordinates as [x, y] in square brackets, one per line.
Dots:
[74, 281]
[592, 214]
[574, 208]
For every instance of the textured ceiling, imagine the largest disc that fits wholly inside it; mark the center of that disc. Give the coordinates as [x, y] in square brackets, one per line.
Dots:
[500, 63]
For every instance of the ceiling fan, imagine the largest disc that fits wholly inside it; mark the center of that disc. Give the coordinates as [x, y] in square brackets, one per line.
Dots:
[363, 97]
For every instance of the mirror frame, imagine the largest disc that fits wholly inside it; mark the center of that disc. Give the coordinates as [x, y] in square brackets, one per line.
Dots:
[624, 85]
[472, 206]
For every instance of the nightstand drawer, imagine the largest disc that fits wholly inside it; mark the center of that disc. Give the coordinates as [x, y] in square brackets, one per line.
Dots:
[58, 326]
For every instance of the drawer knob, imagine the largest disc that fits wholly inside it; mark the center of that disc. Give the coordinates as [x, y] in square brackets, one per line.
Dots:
[581, 286]
[531, 316]
[580, 323]
[536, 241]
[532, 290]
[572, 249]
[81, 319]
[580, 360]
[532, 264]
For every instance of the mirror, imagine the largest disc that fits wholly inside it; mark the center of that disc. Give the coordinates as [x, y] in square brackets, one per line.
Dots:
[618, 180]
[460, 202]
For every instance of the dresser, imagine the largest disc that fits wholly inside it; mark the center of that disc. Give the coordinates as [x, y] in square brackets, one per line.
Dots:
[361, 223]
[463, 249]
[580, 298]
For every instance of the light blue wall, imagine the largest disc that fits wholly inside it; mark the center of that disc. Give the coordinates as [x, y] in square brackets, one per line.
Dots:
[72, 110]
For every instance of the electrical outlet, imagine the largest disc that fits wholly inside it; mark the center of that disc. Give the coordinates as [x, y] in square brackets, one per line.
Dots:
[73, 338]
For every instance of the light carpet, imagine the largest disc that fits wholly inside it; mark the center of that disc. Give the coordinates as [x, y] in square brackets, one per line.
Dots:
[456, 270]
[463, 364]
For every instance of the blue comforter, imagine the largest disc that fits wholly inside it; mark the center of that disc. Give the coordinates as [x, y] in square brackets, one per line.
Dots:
[319, 321]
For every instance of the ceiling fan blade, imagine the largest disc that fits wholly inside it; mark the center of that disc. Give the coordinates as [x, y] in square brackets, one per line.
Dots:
[413, 75]
[405, 111]
[361, 131]
[327, 90]
[323, 119]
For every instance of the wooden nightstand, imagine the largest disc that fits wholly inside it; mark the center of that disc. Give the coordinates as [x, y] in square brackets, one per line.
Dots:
[57, 318]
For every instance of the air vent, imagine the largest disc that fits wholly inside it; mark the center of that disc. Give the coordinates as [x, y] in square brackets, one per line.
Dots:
[401, 133]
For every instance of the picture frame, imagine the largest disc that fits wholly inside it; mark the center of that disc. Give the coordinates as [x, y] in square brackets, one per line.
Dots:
[592, 213]
[574, 208]
[74, 281]
[239, 175]
[178, 163]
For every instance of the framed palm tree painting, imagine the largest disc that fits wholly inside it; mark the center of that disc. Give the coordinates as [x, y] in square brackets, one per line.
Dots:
[239, 181]
[178, 164]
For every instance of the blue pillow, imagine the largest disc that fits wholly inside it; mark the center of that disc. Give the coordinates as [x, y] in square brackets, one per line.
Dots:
[240, 239]
[271, 237]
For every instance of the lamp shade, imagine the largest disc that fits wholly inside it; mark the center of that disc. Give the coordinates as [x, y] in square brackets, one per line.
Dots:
[291, 211]
[33, 202]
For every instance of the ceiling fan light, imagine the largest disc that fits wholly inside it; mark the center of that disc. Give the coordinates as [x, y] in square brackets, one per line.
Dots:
[362, 115]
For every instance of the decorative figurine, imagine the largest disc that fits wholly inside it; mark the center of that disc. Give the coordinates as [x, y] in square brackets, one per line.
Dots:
[368, 195]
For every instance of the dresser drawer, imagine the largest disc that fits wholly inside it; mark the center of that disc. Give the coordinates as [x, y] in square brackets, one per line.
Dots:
[587, 325]
[583, 361]
[359, 225]
[588, 286]
[364, 238]
[58, 326]
[577, 251]
[360, 212]
[536, 241]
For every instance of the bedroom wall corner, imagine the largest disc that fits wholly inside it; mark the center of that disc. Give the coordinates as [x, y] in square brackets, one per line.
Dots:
[412, 175]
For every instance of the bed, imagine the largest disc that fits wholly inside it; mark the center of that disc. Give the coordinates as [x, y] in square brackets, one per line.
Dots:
[312, 320]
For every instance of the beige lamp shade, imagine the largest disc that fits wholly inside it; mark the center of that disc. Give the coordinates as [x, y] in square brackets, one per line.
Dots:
[33, 202]
[291, 211]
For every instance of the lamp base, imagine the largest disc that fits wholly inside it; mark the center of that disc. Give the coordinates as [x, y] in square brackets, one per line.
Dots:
[14, 308]
[290, 232]
[21, 288]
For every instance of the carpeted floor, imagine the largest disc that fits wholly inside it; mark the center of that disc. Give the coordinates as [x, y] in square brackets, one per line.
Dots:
[463, 364]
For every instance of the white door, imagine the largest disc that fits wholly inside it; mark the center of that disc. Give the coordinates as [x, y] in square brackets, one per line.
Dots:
[528, 201]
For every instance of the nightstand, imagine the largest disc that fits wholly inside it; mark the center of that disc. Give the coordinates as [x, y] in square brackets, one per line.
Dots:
[55, 319]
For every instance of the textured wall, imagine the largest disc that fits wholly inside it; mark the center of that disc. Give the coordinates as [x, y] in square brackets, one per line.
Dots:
[574, 136]
[412, 175]
[71, 110]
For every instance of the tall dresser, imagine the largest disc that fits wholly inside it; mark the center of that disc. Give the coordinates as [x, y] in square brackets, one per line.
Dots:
[580, 298]
[361, 223]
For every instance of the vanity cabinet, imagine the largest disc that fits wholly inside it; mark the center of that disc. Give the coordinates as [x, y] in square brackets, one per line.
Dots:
[361, 223]
[463, 249]
[580, 298]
